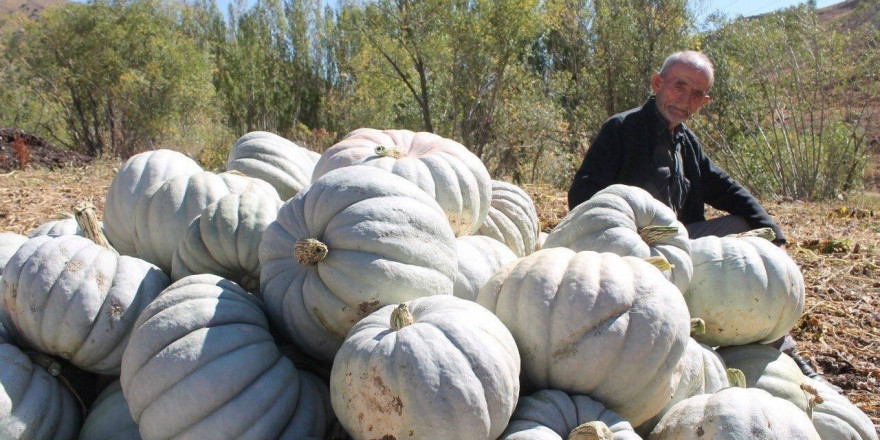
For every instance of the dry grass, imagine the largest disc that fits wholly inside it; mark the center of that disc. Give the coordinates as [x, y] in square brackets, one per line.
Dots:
[32, 197]
[836, 244]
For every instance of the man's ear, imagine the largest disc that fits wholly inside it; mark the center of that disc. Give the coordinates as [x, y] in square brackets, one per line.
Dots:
[656, 82]
[706, 100]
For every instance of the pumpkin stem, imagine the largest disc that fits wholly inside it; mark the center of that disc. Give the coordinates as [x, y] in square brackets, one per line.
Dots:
[660, 263]
[653, 234]
[54, 368]
[87, 219]
[235, 173]
[309, 251]
[389, 151]
[401, 317]
[765, 233]
[698, 327]
[736, 378]
[591, 431]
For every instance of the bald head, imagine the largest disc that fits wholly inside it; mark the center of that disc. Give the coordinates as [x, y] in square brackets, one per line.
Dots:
[693, 59]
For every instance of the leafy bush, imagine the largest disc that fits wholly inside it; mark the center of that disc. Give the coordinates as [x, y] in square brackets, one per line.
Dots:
[790, 108]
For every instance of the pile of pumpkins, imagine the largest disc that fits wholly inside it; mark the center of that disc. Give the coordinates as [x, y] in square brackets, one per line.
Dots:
[390, 289]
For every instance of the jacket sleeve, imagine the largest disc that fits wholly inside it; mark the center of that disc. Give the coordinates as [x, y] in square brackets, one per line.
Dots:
[724, 193]
[600, 165]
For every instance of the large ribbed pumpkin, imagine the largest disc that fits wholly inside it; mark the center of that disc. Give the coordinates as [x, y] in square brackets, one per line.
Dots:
[64, 226]
[836, 418]
[138, 174]
[734, 414]
[770, 370]
[555, 415]
[593, 323]
[701, 371]
[443, 168]
[165, 211]
[284, 164]
[627, 221]
[225, 239]
[109, 417]
[34, 405]
[9, 244]
[512, 219]
[437, 367]
[745, 289]
[68, 297]
[479, 257]
[355, 240]
[202, 364]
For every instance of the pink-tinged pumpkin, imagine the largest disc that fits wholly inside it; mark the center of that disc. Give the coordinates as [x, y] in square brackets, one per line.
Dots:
[203, 364]
[596, 324]
[443, 168]
[355, 240]
[267, 156]
[628, 221]
[437, 367]
[138, 174]
[34, 403]
[68, 297]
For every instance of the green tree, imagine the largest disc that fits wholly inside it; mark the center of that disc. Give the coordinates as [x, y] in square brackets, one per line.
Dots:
[122, 75]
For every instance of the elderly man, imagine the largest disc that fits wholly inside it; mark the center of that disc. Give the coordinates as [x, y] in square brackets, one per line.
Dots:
[650, 147]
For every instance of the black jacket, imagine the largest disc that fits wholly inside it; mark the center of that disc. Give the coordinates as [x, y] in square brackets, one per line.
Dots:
[622, 153]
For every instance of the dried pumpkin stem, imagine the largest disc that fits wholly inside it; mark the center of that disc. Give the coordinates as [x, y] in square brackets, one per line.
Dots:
[698, 327]
[401, 317]
[591, 431]
[309, 251]
[87, 219]
[736, 378]
[660, 263]
[388, 151]
[653, 234]
[765, 233]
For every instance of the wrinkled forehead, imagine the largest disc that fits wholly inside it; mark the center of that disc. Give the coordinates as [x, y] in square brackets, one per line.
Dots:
[687, 74]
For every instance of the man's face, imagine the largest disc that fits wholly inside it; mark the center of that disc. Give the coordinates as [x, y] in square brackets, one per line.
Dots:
[680, 93]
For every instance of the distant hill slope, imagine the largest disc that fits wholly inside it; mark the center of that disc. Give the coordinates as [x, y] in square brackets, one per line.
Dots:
[28, 7]
[851, 13]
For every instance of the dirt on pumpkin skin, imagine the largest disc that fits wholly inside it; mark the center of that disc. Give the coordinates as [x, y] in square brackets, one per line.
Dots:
[835, 243]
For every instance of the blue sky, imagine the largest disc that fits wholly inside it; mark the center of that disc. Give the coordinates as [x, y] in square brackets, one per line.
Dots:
[731, 8]
[747, 8]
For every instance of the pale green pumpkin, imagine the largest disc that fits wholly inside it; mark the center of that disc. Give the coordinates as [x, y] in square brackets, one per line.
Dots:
[138, 174]
[554, 415]
[437, 367]
[267, 156]
[512, 219]
[202, 363]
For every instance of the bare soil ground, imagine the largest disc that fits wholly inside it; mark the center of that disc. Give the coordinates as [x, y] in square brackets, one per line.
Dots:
[836, 244]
